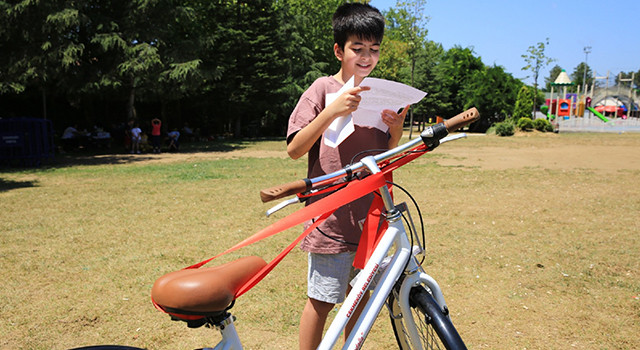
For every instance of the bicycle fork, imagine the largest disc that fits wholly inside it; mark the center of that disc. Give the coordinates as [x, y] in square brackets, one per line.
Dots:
[413, 280]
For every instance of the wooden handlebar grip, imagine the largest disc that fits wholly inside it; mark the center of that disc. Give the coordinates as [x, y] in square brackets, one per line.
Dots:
[284, 190]
[465, 118]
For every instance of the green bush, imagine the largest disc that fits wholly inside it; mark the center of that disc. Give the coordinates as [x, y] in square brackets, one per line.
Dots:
[525, 124]
[505, 128]
[524, 103]
[542, 125]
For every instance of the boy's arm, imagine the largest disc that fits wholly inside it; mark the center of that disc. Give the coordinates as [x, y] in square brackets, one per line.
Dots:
[304, 139]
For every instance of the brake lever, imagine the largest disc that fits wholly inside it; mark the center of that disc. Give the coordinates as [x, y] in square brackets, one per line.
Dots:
[284, 204]
[453, 137]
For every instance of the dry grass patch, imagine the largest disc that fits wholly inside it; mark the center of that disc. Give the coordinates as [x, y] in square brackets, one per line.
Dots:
[533, 238]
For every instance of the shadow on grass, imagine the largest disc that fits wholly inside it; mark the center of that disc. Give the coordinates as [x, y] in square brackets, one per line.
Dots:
[119, 156]
[8, 185]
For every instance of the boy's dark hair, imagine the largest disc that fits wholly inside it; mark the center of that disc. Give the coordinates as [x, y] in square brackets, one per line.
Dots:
[362, 20]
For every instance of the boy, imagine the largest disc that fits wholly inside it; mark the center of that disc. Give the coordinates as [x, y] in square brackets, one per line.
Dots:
[358, 31]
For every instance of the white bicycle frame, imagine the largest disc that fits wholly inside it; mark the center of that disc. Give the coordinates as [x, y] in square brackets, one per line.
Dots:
[395, 234]
[401, 261]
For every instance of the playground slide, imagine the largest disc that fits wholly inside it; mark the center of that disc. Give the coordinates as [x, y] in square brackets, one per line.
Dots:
[597, 114]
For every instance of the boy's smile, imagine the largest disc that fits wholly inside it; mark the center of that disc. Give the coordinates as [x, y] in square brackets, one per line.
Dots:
[358, 58]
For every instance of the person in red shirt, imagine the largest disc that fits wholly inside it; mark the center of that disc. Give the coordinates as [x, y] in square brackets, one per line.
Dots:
[156, 134]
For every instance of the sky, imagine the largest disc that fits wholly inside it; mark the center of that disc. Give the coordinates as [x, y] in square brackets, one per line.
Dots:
[501, 31]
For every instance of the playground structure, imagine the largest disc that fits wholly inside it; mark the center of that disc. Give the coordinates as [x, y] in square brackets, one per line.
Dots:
[592, 107]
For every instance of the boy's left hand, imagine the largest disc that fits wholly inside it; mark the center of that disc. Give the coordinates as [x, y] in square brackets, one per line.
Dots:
[394, 120]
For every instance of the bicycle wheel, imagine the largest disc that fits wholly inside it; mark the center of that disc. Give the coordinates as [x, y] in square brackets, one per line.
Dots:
[434, 327]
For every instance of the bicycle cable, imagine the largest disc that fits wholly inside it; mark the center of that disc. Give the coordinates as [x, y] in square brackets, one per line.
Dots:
[419, 213]
[353, 159]
[333, 238]
[338, 239]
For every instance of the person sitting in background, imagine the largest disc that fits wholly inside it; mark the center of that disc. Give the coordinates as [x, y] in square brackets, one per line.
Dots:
[174, 144]
[71, 138]
[136, 137]
[100, 138]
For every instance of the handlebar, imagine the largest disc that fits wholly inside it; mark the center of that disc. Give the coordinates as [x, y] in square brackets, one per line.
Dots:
[430, 135]
[285, 190]
[461, 120]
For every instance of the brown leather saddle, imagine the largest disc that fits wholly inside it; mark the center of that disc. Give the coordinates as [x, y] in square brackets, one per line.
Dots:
[193, 294]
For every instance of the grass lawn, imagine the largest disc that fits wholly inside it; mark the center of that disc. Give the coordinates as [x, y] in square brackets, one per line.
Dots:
[533, 238]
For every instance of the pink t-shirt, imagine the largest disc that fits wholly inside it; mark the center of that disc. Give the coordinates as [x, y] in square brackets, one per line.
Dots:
[344, 224]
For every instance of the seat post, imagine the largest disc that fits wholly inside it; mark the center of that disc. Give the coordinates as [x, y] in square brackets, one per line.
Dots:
[230, 337]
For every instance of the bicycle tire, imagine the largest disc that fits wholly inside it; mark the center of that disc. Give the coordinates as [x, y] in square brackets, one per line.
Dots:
[434, 327]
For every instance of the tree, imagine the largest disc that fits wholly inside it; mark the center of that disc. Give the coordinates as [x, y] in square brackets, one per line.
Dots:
[523, 104]
[406, 23]
[536, 60]
[427, 80]
[453, 73]
[393, 62]
[629, 75]
[306, 48]
[258, 68]
[579, 73]
[218, 64]
[553, 75]
[39, 43]
[493, 92]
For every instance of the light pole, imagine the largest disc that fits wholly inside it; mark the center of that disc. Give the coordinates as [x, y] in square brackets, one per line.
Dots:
[587, 51]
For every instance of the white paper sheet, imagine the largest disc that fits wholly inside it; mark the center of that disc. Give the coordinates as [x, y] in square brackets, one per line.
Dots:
[341, 127]
[384, 94]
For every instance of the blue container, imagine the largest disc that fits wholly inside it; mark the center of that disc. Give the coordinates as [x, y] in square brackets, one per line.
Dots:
[26, 141]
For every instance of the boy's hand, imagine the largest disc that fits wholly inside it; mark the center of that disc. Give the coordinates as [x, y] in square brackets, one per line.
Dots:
[348, 102]
[343, 105]
[395, 122]
[392, 119]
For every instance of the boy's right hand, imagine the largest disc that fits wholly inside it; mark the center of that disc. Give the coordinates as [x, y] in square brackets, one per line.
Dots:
[348, 102]
[343, 105]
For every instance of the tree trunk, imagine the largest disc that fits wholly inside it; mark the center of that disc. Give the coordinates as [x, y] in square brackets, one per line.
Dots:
[535, 95]
[413, 65]
[535, 98]
[237, 133]
[131, 108]
[44, 103]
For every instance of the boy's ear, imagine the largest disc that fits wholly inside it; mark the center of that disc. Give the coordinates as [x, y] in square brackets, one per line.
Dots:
[338, 51]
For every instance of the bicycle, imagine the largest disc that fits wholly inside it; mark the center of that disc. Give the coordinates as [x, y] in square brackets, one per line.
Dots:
[416, 305]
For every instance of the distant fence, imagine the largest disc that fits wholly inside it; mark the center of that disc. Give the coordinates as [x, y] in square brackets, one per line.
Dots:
[596, 125]
[25, 141]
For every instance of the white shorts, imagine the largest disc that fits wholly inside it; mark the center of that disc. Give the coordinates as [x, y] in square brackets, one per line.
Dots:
[329, 275]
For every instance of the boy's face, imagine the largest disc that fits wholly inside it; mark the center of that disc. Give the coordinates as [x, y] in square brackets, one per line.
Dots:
[359, 56]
